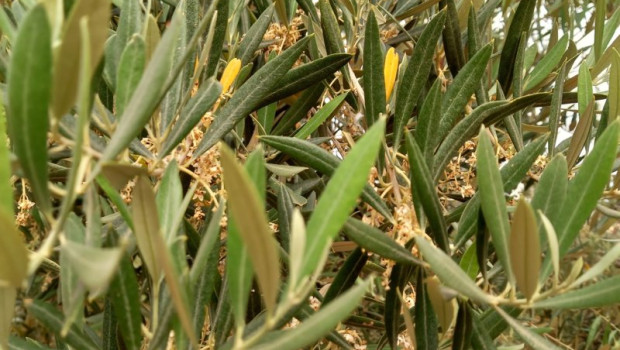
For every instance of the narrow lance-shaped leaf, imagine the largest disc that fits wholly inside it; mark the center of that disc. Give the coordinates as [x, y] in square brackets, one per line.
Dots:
[606, 261]
[304, 76]
[449, 272]
[416, 74]
[374, 85]
[556, 105]
[191, 114]
[316, 326]
[248, 96]
[30, 79]
[148, 93]
[244, 202]
[520, 23]
[547, 64]
[444, 308]
[492, 200]
[130, 69]
[550, 192]
[529, 337]
[320, 117]
[463, 86]
[599, 294]
[238, 264]
[428, 121]
[125, 298]
[554, 249]
[95, 267]
[423, 187]
[451, 36]
[219, 36]
[376, 241]
[585, 189]
[254, 36]
[65, 90]
[52, 319]
[426, 326]
[323, 161]
[339, 197]
[525, 249]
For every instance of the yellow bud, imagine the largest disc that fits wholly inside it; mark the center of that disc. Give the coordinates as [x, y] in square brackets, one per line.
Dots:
[389, 71]
[230, 74]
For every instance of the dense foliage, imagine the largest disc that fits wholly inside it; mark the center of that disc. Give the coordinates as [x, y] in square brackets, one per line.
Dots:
[255, 174]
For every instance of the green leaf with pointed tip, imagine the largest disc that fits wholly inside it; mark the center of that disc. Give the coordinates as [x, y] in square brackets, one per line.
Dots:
[463, 131]
[426, 326]
[469, 263]
[398, 279]
[374, 81]
[300, 78]
[580, 134]
[340, 196]
[156, 254]
[30, 80]
[320, 117]
[347, 275]
[146, 225]
[599, 294]
[238, 264]
[191, 114]
[584, 190]
[585, 92]
[480, 338]
[529, 337]
[324, 162]
[245, 202]
[169, 199]
[97, 13]
[449, 272]
[246, 99]
[451, 37]
[512, 174]
[254, 36]
[219, 36]
[520, 23]
[148, 93]
[606, 261]
[492, 199]
[95, 267]
[204, 271]
[318, 325]
[376, 241]
[125, 298]
[331, 29]
[428, 122]
[298, 110]
[550, 192]
[423, 187]
[416, 74]
[130, 69]
[555, 109]
[525, 249]
[461, 89]
[130, 23]
[547, 64]
[52, 319]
